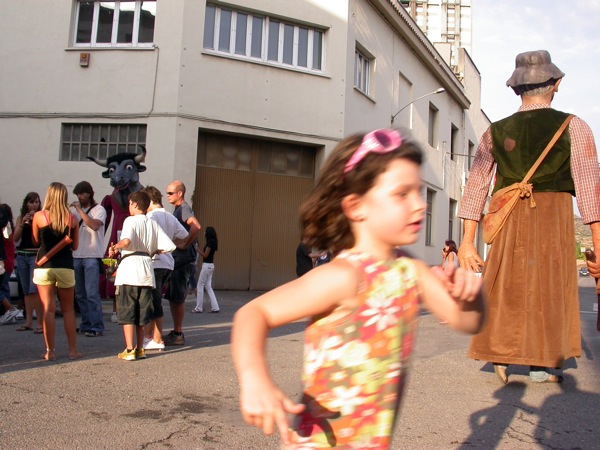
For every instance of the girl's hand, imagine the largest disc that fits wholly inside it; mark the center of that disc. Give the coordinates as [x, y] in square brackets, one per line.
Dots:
[462, 285]
[264, 406]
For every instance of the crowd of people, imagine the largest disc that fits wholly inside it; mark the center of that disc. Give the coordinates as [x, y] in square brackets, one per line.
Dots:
[59, 252]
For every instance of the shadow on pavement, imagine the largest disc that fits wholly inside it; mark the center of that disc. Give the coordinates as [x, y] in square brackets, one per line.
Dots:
[22, 351]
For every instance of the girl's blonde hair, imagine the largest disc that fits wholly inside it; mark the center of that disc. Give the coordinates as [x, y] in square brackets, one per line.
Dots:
[322, 220]
[58, 208]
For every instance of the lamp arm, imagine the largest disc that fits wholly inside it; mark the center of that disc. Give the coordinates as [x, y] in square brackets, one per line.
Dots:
[437, 91]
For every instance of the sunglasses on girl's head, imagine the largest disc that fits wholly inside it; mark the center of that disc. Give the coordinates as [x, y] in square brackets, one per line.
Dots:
[378, 141]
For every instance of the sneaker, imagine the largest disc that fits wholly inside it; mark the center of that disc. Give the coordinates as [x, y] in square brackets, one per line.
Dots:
[20, 315]
[153, 345]
[146, 340]
[114, 318]
[140, 353]
[9, 316]
[93, 333]
[196, 310]
[173, 339]
[128, 355]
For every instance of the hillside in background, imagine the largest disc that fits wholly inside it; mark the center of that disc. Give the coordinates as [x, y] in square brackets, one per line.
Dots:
[583, 235]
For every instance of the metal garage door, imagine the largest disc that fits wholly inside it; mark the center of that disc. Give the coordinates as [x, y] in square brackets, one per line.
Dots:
[249, 190]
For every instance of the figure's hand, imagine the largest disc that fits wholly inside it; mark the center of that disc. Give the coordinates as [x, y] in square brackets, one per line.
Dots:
[468, 258]
[264, 406]
[594, 268]
[462, 285]
[112, 251]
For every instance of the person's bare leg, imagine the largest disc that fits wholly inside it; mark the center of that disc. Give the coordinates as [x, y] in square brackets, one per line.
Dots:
[38, 308]
[140, 336]
[21, 303]
[149, 330]
[158, 330]
[48, 311]
[66, 296]
[177, 312]
[29, 308]
[128, 332]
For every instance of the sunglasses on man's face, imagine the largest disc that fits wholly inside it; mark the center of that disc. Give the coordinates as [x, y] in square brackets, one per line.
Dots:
[171, 193]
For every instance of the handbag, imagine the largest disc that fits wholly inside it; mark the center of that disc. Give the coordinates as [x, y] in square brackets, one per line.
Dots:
[503, 202]
[54, 250]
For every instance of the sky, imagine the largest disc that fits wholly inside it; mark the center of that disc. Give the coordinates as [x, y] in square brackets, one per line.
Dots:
[569, 30]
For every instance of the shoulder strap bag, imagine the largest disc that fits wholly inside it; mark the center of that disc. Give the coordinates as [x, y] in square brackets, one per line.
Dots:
[503, 201]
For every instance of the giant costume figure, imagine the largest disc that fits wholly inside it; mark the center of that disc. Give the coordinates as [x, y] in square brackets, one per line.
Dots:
[530, 275]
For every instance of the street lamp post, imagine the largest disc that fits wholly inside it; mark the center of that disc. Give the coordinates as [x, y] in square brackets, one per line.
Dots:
[437, 91]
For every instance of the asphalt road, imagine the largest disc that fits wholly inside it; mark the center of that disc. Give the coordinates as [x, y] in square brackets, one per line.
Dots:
[186, 397]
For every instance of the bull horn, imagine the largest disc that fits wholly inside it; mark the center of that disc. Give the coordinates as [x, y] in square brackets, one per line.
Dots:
[100, 162]
[141, 158]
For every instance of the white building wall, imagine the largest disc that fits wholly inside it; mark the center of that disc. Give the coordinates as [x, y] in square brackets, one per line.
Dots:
[42, 85]
[256, 95]
[178, 88]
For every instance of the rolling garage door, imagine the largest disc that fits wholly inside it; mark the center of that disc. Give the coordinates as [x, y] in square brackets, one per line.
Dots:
[249, 190]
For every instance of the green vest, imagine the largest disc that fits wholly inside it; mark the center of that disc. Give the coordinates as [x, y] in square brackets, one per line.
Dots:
[518, 141]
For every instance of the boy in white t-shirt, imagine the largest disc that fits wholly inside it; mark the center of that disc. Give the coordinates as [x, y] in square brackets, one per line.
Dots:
[141, 238]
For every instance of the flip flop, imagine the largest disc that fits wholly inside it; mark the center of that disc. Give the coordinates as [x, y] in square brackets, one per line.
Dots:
[77, 356]
[38, 331]
[23, 328]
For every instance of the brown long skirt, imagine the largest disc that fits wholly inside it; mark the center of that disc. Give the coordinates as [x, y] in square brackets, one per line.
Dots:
[530, 279]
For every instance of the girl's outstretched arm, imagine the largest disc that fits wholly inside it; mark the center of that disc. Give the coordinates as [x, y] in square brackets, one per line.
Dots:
[453, 295]
[324, 289]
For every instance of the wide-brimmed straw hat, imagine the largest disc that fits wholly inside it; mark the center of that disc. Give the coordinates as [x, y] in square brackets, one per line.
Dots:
[534, 68]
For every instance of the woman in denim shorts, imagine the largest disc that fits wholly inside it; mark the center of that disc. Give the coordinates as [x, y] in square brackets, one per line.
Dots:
[26, 253]
[50, 227]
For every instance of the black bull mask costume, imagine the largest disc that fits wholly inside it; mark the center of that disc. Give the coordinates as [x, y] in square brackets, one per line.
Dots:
[123, 170]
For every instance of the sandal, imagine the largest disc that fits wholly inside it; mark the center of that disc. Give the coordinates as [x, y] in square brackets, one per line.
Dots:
[38, 331]
[500, 371]
[24, 328]
[552, 379]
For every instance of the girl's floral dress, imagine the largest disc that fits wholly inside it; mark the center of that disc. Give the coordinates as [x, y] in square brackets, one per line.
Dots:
[355, 362]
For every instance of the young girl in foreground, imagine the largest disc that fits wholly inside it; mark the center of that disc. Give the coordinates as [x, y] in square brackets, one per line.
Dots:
[362, 305]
